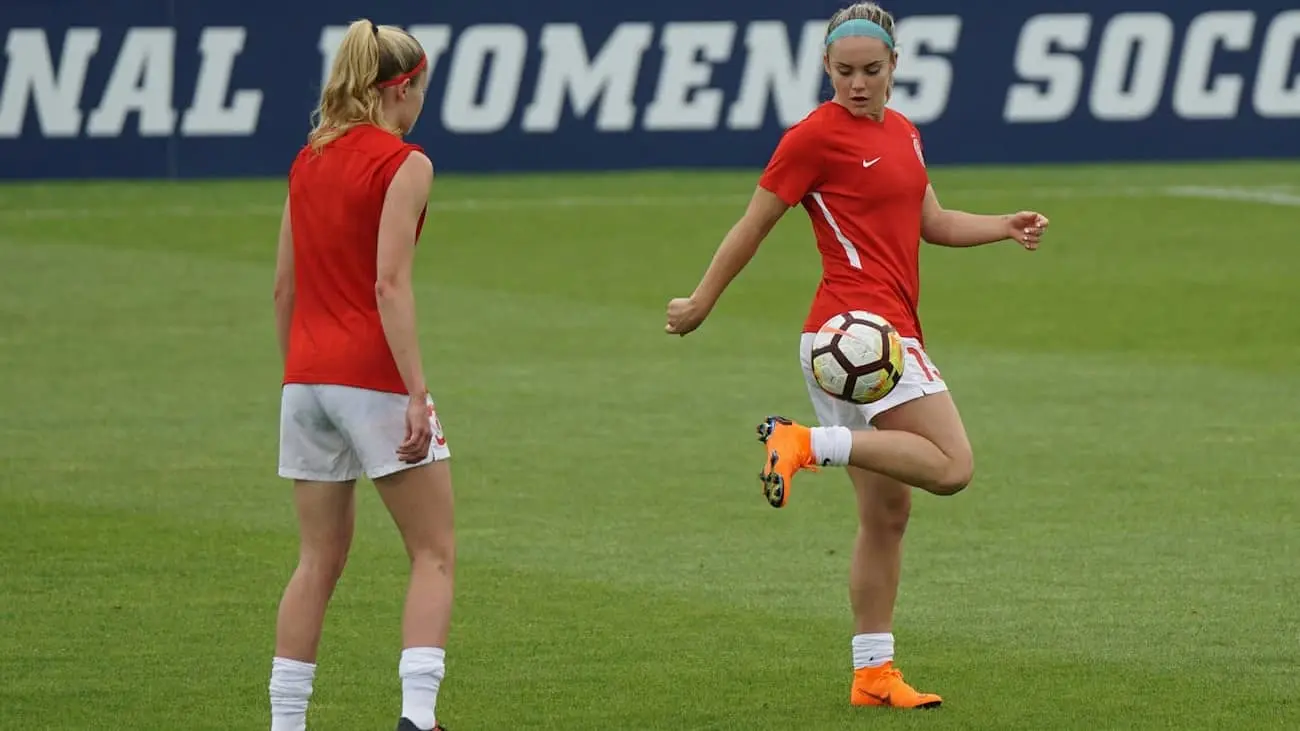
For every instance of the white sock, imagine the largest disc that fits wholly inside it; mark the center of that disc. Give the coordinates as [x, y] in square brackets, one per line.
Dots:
[831, 445]
[290, 690]
[421, 670]
[872, 650]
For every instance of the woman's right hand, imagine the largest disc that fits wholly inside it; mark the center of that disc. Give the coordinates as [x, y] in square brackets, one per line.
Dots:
[419, 430]
[684, 315]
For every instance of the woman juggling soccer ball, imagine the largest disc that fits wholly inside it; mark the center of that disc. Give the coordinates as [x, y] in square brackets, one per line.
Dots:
[857, 168]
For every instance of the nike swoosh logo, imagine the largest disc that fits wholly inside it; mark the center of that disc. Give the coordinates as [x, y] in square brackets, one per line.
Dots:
[882, 699]
[869, 163]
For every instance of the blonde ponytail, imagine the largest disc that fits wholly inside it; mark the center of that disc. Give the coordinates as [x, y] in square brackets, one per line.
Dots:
[368, 55]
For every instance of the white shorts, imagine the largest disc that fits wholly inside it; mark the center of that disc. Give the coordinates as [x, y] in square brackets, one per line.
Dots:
[334, 433]
[920, 378]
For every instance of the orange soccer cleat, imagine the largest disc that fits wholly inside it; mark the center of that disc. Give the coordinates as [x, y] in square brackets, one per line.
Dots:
[884, 686]
[789, 449]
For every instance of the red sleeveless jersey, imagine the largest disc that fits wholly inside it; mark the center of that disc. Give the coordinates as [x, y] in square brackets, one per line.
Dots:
[863, 184]
[335, 200]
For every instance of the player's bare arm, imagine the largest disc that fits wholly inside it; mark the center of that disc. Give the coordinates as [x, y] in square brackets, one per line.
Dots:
[737, 248]
[945, 227]
[284, 284]
[408, 194]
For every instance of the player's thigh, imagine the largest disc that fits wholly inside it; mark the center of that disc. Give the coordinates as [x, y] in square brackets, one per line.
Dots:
[312, 448]
[421, 504]
[922, 404]
[326, 516]
[935, 417]
[374, 423]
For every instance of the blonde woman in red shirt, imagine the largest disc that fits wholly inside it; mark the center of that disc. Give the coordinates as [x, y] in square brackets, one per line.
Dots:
[354, 400]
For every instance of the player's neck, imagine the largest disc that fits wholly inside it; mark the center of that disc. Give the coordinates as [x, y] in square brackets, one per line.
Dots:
[389, 118]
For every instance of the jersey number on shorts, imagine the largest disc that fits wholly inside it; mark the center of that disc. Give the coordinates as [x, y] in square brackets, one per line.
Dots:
[931, 373]
[438, 437]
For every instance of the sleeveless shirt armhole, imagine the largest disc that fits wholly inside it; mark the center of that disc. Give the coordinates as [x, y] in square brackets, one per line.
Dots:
[395, 161]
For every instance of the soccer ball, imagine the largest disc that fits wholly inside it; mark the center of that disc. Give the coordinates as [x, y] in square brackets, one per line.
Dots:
[857, 356]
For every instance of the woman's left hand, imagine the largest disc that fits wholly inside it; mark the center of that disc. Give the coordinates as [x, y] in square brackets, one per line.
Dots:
[1027, 228]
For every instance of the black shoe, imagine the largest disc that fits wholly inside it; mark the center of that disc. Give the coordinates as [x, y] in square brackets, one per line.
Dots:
[405, 725]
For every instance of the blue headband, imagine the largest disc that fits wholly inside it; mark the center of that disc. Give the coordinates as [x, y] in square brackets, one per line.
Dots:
[860, 27]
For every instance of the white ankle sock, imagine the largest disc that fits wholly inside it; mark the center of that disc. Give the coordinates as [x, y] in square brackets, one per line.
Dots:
[290, 690]
[831, 445]
[872, 650]
[421, 670]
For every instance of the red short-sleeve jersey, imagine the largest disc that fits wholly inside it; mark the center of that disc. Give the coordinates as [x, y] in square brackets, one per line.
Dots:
[863, 185]
[336, 197]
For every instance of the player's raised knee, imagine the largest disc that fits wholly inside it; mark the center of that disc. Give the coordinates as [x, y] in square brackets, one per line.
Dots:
[956, 477]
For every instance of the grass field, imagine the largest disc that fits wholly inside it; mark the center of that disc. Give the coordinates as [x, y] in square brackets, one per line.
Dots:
[1128, 556]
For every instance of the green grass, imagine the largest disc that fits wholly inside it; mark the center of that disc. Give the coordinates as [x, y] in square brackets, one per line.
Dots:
[1127, 557]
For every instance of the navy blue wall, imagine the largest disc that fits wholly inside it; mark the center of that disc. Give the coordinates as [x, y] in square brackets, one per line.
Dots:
[150, 88]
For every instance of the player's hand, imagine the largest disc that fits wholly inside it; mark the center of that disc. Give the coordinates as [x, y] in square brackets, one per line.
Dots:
[684, 315]
[1027, 228]
[419, 431]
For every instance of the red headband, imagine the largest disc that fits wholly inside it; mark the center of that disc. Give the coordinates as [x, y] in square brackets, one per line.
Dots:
[424, 60]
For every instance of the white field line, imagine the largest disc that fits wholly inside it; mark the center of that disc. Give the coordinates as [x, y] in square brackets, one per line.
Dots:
[1275, 195]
